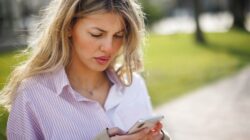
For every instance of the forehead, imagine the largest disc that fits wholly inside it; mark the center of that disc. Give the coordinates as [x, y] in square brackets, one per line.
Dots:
[107, 21]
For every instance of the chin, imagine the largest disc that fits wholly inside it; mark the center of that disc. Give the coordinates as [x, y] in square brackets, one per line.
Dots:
[101, 68]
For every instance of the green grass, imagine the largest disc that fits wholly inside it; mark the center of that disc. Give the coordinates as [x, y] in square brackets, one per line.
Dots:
[3, 122]
[7, 62]
[174, 64]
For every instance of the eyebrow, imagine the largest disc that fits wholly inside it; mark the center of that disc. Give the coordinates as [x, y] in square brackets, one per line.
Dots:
[122, 30]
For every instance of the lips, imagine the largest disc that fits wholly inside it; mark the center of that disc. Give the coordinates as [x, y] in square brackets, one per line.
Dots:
[102, 60]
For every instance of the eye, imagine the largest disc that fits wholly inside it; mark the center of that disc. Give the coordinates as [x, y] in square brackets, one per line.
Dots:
[119, 35]
[95, 35]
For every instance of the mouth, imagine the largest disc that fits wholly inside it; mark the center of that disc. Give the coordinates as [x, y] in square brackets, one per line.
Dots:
[102, 60]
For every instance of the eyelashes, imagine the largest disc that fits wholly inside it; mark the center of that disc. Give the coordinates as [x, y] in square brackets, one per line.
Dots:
[100, 35]
[96, 35]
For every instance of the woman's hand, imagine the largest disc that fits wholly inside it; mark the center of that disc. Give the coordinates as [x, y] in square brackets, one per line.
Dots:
[117, 134]
[155, 133]
[144, 134]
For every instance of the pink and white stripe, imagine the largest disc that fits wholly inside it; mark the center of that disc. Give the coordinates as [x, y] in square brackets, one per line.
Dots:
[48, 108]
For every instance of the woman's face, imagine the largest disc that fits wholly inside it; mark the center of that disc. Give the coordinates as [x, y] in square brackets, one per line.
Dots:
[96, 40]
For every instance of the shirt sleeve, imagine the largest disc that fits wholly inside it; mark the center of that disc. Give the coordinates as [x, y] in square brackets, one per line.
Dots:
[147, 100]
[144, 96]
[22, 123]
[103, 135]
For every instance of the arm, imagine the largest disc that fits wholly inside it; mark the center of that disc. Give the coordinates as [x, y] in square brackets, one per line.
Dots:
[22, 124]
[103, 135]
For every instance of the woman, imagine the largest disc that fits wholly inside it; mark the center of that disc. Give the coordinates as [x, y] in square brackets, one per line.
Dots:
[80, 80]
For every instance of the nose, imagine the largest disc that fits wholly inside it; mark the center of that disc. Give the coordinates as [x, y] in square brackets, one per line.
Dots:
[107, 45]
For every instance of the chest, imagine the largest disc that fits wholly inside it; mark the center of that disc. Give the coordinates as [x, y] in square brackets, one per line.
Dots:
[99, 95]
[70, 116]
[82, 121]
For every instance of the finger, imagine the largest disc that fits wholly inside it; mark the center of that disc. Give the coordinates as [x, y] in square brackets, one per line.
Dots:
[157, 127]
[140, 134]
[158, 137]
[149, 136]
[155, 136]
[115, 131]
[155, 133]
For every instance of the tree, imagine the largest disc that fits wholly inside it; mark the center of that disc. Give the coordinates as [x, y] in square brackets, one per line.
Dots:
[6, 17]
[152, 12]
[238, 9]
[198, 33]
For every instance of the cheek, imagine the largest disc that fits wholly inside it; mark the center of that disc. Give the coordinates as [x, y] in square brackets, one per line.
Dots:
[117, 45]
[84, 44]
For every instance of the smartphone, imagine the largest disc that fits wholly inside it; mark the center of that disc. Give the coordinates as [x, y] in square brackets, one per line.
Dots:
[145, 123]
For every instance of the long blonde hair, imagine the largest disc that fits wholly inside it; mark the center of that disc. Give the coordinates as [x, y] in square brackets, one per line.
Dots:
[50, 46]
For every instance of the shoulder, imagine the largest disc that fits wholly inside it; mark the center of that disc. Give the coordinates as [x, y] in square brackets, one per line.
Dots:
[137, 82]
[137, 77]
[35, 85]
[37, 82]
[137, 88]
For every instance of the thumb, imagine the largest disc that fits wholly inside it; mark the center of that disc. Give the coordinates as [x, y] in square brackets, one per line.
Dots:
[115, 131]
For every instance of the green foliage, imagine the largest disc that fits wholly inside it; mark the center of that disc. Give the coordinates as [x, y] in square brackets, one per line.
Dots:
[8, 60]
[175, 64]
[152, 12]
[3, 122]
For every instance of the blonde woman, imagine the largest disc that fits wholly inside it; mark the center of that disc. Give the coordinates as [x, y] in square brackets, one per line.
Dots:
[80, 81]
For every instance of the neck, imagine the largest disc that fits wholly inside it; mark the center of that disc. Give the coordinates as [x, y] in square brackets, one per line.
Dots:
[84, 78]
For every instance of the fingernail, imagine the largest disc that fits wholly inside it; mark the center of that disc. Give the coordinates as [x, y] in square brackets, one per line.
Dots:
[152, 130]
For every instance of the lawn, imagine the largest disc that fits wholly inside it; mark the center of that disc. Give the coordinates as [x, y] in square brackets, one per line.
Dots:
[174, 64]
[7, 62]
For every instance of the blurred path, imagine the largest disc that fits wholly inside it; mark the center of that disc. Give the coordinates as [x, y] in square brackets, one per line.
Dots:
[220, 111]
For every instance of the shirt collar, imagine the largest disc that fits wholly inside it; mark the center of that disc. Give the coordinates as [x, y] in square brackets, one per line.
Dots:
[61, 80]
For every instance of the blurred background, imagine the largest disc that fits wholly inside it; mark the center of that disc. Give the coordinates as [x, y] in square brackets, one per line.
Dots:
[194, 52]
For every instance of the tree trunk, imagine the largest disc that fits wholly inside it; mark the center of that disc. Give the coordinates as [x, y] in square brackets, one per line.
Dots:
[1, 18]
[198, 33]
[6, 17]
[238, 9]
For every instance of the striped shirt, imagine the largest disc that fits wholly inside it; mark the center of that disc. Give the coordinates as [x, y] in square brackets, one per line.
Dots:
[48, 108]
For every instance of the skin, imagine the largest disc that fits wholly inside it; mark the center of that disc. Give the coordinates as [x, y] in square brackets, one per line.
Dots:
[145, 134]
[96, 36]
[96, 40]
[93, 37]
